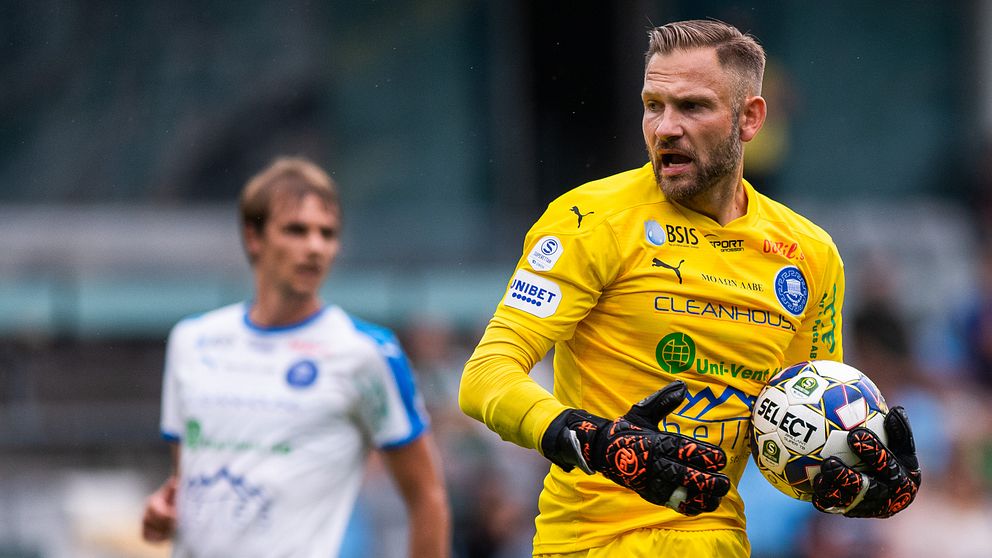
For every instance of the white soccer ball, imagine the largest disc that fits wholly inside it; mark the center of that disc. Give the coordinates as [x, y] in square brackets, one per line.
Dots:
[802, 416]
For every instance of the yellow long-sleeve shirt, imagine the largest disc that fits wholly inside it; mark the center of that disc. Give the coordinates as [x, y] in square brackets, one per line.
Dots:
[633, 292]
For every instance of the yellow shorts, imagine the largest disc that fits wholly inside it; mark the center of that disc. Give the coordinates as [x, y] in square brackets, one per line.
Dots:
[665, 543]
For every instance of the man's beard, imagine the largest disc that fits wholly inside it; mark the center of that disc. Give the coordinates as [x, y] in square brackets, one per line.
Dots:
[722, 163]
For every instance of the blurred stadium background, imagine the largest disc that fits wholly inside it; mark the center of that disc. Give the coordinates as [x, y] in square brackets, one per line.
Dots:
[129, 127]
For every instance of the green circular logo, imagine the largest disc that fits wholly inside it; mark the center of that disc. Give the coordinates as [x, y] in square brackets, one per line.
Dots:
[806, 385]
[675, 353]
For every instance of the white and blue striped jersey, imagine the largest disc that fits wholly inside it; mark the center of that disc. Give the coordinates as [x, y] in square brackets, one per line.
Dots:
[276, 426]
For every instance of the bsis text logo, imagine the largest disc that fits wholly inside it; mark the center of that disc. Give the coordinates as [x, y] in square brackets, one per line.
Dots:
[678, 234]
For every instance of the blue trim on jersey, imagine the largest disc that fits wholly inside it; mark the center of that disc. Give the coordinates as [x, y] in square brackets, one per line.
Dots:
[170, 437]
[400, 367]
[400, 443]
[283, 328]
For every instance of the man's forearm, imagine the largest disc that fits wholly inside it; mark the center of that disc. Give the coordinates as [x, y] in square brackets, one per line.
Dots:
[497, 390]
[430, 526]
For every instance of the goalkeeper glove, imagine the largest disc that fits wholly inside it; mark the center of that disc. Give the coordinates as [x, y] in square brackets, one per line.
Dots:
[890, 482]
[663, 468]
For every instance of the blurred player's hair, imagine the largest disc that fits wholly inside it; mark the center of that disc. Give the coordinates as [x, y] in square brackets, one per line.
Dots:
[285, 178]
[736, 51]
[293, 177]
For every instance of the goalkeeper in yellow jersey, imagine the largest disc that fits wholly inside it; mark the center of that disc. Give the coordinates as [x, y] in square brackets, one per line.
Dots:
[671, 293]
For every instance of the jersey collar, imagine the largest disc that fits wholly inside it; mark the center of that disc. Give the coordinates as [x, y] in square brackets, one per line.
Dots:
[280, 328]
[701, 221]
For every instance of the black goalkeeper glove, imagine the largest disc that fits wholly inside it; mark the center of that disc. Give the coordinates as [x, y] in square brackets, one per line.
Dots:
[890, 482]
[663, 468]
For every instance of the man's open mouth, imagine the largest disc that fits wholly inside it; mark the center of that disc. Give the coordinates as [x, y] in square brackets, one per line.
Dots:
[674, 159]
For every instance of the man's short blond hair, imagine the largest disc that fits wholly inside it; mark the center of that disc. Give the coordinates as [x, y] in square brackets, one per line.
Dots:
[736, 51]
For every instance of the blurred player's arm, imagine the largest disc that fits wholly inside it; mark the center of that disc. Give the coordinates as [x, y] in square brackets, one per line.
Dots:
[496, 387]
[159, 520]
[416, 469]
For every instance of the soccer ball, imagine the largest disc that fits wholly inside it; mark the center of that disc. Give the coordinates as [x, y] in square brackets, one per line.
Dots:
[802, 416]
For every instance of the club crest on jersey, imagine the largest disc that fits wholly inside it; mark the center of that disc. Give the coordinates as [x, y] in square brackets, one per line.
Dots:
[302, 374]
[533, 294]
[791, 290]
[545, 254]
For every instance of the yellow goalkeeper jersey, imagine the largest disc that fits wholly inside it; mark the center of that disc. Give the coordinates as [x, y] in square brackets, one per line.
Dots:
[634, 291]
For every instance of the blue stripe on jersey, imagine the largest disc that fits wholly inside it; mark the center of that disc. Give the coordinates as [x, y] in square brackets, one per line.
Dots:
[170, 437]
[279, 329]
[402, 374]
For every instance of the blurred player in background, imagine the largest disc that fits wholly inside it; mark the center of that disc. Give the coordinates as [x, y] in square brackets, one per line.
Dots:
[677, 274]
[273, 406]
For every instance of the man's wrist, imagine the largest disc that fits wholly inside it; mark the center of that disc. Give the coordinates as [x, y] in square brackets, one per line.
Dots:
[561, 444]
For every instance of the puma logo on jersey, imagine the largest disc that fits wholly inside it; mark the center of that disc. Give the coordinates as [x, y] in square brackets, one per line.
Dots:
[579, 214]
[655, 262]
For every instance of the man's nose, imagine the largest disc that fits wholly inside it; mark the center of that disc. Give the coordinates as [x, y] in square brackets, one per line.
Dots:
[316, 242]
[668, 125]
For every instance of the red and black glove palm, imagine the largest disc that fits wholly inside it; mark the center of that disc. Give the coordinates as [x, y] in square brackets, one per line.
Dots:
[663, 468]
[887, 486]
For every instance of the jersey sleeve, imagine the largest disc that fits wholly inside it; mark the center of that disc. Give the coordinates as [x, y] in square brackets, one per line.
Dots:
[819, 337]
[171, 421]
[497, 390]
[557, 281]
[561, 274]
[390, 407]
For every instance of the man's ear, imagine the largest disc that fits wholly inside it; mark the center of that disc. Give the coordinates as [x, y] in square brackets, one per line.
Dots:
[752, 117]
[253, 241]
